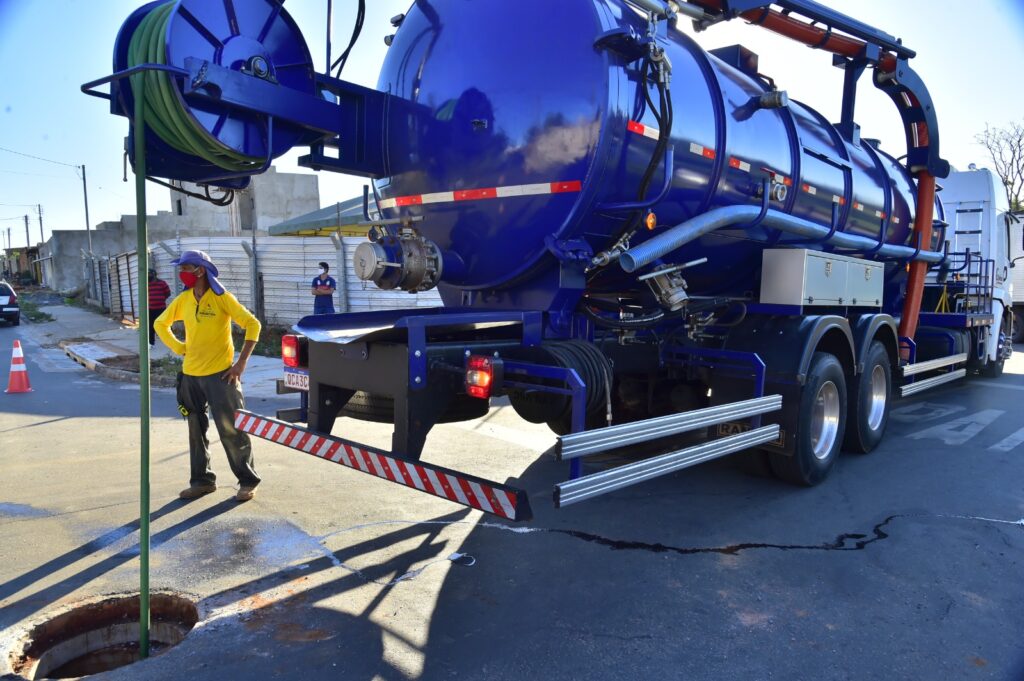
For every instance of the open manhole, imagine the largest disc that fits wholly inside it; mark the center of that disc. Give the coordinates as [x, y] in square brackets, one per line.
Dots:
[101, 636]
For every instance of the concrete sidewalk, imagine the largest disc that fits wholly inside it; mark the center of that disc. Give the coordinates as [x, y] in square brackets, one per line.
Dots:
[102, 344]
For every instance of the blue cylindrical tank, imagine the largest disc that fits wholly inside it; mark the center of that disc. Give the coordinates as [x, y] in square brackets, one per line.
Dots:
[512, 125]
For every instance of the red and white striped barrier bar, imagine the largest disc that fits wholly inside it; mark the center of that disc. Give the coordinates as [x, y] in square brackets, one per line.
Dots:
[485, 193]
[468, 490]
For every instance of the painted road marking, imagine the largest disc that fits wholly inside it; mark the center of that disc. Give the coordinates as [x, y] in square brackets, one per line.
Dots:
[1010, 442]
[924, 411]
[958, 431]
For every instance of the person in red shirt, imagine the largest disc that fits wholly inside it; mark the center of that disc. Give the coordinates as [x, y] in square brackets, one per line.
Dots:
[159, 292]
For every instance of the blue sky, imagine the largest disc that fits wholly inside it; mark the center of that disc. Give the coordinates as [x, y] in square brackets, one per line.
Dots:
[971, 56]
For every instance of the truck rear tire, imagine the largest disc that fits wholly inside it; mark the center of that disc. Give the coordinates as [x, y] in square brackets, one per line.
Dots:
[869, 400]
[822, 420]
[1018, 327]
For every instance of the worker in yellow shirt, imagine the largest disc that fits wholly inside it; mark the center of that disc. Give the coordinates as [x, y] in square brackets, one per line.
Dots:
[210, 377]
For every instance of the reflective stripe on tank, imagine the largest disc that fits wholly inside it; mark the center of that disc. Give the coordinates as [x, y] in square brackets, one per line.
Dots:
[648, 131]
[701, 151]
[871, 211]
[739, 164]
[486, 193]
[641, 129]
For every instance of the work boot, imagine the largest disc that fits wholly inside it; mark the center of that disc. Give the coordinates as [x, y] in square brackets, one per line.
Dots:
[245, 493]
[196, 491]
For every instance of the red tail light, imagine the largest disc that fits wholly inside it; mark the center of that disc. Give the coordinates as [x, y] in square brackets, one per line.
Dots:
[290, 350]
[479, 376]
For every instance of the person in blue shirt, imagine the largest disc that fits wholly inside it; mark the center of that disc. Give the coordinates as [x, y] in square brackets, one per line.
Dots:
[323, 291]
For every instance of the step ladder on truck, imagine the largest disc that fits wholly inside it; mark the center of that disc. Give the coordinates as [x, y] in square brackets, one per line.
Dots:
[650, 248]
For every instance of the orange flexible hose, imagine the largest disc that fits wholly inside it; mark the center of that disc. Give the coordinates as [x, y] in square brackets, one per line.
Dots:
[801, 31]
[915, 280]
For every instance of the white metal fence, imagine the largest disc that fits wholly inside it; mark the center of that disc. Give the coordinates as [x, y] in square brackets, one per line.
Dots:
[284, 270]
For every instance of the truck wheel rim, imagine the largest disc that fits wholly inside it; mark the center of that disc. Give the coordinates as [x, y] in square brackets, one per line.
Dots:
[825, 420]
[878, 397]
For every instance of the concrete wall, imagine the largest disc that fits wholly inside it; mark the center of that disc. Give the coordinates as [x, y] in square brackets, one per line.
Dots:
[271, 198]
[279, 197]
[67, 267]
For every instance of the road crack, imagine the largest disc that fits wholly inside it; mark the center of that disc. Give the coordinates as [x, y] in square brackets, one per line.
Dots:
[848, 541]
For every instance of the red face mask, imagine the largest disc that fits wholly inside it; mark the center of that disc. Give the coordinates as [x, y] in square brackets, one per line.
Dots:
[188, 278]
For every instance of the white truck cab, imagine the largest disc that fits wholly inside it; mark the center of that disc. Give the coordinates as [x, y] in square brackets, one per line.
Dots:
[979, 218]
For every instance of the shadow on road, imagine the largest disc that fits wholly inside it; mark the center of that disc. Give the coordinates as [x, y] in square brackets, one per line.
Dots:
[302, 635]
[30, 604]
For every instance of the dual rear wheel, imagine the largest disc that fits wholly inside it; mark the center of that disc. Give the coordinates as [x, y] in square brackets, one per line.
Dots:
[837, 412]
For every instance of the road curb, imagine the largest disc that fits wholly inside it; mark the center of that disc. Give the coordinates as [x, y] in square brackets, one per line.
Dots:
[110, 372]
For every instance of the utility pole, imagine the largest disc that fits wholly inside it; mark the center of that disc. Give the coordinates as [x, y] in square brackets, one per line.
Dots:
[85, 193]
[28, 263]
[41, 237]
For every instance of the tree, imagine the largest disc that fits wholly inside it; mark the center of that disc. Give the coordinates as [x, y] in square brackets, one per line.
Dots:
[1006, 148]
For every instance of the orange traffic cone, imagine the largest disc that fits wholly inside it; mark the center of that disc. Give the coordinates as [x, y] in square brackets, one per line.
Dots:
[18, 382]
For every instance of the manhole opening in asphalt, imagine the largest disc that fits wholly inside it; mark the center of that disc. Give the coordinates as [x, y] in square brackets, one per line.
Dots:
[101, 636]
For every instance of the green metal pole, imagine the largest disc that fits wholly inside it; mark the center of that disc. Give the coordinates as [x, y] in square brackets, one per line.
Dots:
[142, 245]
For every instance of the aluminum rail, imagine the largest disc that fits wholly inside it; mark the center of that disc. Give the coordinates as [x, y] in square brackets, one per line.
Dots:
[921, 367]
[589, 442]
[643, 254]
[919, 386]
[590, 486]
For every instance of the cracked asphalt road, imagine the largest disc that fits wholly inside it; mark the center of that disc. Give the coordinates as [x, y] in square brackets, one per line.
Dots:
[905, 564]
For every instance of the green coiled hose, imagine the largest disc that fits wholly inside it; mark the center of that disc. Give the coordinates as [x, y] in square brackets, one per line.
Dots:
[164, 113]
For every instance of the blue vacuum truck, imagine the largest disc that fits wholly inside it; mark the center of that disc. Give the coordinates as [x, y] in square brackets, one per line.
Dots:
[636, 240]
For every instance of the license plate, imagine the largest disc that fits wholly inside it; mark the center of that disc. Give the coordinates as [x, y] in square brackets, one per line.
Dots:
[296, 378]
[10, 309]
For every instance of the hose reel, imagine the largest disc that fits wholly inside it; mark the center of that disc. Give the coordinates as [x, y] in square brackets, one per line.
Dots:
[592, 366]
[201, 138]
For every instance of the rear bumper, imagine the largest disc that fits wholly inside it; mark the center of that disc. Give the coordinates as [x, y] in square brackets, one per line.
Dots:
[484, 495]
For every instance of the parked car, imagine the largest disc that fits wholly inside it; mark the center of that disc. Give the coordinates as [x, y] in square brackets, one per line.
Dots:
[9, 310]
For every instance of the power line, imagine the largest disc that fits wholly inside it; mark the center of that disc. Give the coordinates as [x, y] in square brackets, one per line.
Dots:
[16, 217]
[19, 205]
[19, 172]
[39, 158]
